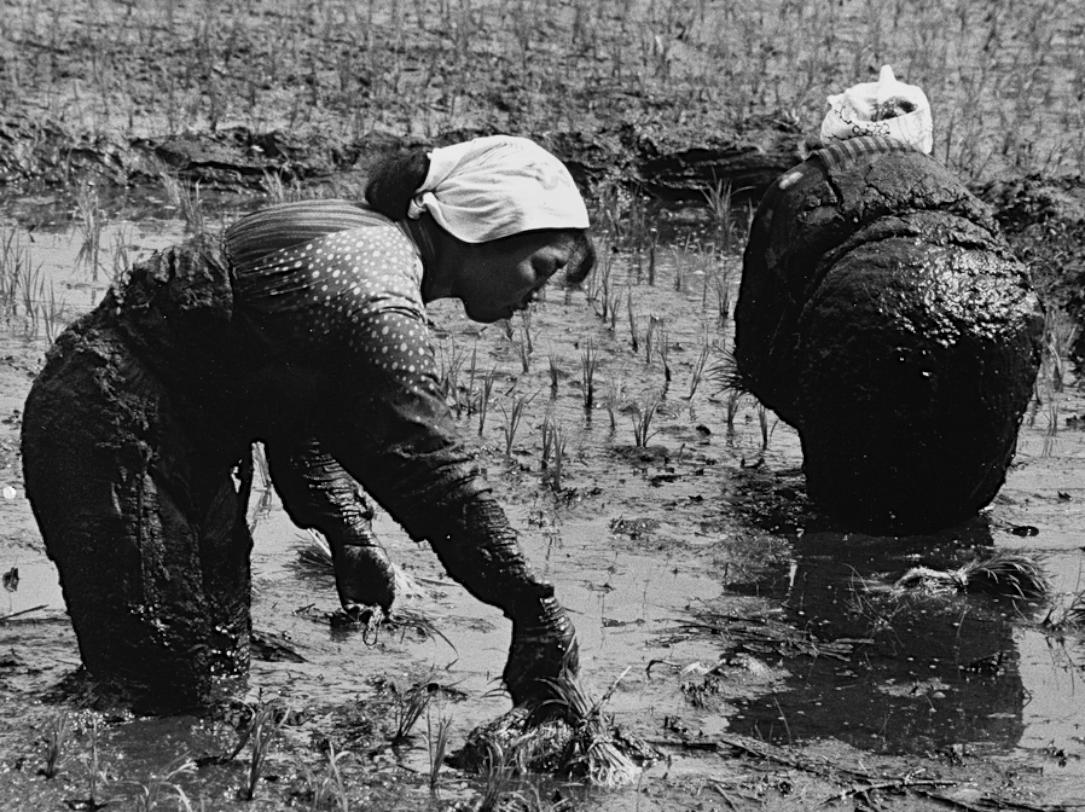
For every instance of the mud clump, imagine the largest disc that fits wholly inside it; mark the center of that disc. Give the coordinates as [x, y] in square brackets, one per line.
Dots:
[1044, 221]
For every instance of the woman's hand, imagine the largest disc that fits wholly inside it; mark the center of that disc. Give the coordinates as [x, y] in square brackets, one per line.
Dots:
[364, 577]
[544, 648]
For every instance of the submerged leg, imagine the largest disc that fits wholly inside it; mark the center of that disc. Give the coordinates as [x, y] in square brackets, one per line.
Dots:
[138, 509]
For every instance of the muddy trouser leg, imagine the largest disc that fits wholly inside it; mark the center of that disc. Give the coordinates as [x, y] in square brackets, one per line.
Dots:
[138, 509]
[318, 494]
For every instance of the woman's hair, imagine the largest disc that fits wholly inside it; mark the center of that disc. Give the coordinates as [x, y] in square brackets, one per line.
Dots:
[394, 181]
[582, 260]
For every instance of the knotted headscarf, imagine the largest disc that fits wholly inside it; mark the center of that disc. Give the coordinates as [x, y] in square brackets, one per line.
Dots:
[887, 107]
[496, 186]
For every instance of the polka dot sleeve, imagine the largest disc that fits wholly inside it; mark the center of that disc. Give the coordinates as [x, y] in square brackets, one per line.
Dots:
[348, 306]
[396, 434]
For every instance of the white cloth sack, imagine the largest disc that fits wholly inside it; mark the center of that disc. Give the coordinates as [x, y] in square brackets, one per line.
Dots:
[887, 107]
[496, 186]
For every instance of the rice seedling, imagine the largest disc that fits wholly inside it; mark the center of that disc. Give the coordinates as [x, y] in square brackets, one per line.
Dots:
[664, 355]
[333, 789]
[498, 777]
[733, 397]
[612, 201]
[157, 791]
[472, 374]
[407, 709]
[610, 401]
[90, 223]
[452, 361]
[1060, 332]
[267, 719]
[513, 416]
[186, 200]
[649, 337]
[723, 300]
[698, 370]
[273, 187]
[612, 324]
[527, 342]
[24, 299]
[315, 554]
[547, 445]
[436, 745]
[553, 452]
[642, 421]
[484, 399]
[555, 375]
[94, 766]
[264, 722]
[13, 256]
[707, 279]
[632, 321]
[1002, 573]
[589, 363]
[1051, 407]
[604, 289]
[57, 738]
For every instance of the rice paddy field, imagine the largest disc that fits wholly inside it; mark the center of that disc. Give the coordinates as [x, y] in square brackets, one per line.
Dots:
[759, 655]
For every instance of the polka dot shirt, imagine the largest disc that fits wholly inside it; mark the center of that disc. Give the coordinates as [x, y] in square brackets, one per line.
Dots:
[349, 304]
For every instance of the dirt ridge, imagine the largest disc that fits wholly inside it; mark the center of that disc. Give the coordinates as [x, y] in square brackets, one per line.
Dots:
[43, 155]
[1043, 217]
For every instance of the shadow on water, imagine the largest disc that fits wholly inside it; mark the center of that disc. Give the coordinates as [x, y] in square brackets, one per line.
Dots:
[876, 666]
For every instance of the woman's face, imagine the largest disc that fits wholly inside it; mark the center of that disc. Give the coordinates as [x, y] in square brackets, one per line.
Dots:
[498, 278]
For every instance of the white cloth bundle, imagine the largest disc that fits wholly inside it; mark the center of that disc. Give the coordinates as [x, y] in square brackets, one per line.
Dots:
[887, 107]
[496, 186]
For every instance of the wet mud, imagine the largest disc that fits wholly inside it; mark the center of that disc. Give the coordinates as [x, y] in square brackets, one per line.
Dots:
[758, 645]
[761, 647]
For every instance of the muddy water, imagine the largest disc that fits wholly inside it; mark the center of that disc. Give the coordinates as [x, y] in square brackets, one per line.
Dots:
[698, 576]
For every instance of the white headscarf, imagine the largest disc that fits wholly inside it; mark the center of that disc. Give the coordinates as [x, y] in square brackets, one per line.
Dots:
[887, 107]
[495, 186]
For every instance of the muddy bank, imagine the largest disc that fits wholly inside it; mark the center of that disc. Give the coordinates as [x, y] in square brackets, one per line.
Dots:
[40, 155]
[1043, 217]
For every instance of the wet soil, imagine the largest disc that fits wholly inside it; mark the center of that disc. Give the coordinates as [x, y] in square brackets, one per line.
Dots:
[760, 648]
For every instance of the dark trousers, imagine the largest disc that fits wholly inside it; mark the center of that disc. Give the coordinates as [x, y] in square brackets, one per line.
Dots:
[136, 495]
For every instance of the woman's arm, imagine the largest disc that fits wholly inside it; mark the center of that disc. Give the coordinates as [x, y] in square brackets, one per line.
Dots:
[317, 493]
[396, 435]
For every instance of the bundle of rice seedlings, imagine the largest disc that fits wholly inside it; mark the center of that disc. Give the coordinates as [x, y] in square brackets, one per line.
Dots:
[314, 554]
[1001, 573]
[315, 558]
[564, 735]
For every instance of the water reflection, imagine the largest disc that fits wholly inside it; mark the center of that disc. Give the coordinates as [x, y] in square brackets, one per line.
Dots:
[885, 670]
